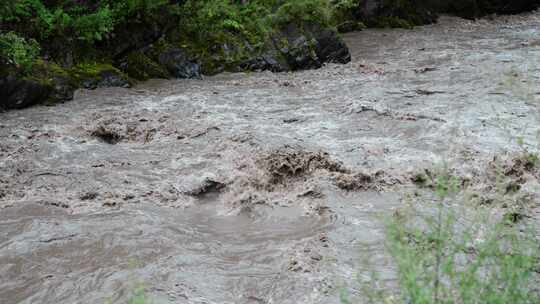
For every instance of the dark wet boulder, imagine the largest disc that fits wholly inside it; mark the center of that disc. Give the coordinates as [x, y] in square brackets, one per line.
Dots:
[19, 93]
[49, 83]
[290, 47]
[141, 67]
[271, 61]
[310, 46]
[179, 64]
[329, 47]
[231, 56]
[298, 48]
[105, 78]
[63, 89]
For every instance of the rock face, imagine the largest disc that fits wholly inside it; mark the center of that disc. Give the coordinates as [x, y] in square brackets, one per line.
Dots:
[140, 66]
[20, 93]
[329, 46]
[179, 64]
[311, 46]
[298, 48]
[293, 47]
[272, 60]
[51, 83]
[105, 78]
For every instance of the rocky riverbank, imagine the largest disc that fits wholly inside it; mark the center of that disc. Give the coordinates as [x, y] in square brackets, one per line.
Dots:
[289, 49]
[152, 45]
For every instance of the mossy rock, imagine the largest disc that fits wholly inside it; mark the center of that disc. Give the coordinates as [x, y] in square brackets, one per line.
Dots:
[95, 75]
[139, 66]
[226, 56]
[53, 76]
[45, 72]
[179, 63]
[19, 90]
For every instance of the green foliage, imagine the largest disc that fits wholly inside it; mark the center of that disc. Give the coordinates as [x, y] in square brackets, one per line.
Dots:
[130, 10]
[444, 263]
[343, 10]
[141, 67]
[226, 29]
[230, 29]
[305, 10]
[92, 27]
[35, 19]
[215, 22]
[446, 257]
[139, 296]
[18, 51]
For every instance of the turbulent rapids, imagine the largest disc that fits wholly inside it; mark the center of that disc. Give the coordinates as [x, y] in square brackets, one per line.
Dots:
[260, 187]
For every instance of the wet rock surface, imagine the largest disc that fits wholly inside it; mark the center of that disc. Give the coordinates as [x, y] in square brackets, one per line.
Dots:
[179, 65]
[310, 46]
[20, 93]
[291, 48]
[262, 188]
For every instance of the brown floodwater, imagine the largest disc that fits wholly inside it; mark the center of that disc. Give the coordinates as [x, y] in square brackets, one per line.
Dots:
[231, 189]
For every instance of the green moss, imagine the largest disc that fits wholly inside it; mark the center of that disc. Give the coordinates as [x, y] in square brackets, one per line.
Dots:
[225, 33]
[90, 69]
[226, 56]
[158, 48]
[91, 72]
[141, 67]
[45, 72]
[301, 11]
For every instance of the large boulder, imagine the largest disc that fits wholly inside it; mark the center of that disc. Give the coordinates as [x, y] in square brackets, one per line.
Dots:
[179, 64]
[297, 47]
[272, 60]
[329, 47]
[104, 79]
[292, 46]
[49, 83]
[92, 76]
[141, 67]
[19, 93]
[310, 46]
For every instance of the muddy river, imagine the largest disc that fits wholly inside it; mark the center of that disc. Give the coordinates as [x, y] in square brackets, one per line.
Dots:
[260, 187]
